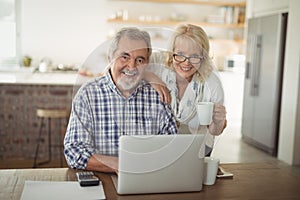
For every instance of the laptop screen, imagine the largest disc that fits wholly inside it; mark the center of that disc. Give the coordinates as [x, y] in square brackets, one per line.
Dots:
[159, 161]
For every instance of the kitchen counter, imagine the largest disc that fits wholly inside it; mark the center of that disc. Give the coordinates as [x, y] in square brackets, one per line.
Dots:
[21, 95]
[30, 77]
[22, 92]
[52, 78]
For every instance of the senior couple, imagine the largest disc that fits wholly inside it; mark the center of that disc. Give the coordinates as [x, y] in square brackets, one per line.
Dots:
[129, 99]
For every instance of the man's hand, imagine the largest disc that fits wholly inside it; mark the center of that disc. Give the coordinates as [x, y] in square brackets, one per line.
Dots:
[102, 163]
[163, 91]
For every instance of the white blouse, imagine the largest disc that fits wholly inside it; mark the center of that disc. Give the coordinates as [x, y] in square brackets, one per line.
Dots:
[185, 110]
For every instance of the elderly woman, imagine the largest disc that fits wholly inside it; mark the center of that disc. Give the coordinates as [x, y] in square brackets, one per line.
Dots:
[190, 78]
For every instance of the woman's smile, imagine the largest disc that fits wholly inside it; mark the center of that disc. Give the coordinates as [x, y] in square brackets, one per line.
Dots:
[186, 68]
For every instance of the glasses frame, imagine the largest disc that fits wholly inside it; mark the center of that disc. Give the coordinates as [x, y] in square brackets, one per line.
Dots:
[187, 58]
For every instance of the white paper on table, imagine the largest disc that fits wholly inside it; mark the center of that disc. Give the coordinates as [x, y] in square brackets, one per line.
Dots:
[60, 190]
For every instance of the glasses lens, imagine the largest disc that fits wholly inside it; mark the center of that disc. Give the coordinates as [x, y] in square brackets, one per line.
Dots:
[179, 58]
[195, 60]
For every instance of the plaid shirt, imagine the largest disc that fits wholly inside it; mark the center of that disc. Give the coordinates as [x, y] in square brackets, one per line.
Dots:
[100, 115]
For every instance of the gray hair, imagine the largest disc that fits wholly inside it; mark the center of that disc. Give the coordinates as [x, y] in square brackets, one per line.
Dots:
[131, 33]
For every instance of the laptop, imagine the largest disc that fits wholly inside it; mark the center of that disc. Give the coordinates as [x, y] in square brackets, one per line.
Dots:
[160, 164]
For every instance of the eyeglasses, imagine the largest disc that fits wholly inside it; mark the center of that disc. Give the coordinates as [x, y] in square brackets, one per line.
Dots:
[192, 59]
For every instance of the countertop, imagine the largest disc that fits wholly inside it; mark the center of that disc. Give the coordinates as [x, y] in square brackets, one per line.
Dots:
[31, 76]
[25, 75]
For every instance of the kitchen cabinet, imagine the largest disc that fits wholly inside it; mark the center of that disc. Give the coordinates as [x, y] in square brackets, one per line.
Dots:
[259, 7]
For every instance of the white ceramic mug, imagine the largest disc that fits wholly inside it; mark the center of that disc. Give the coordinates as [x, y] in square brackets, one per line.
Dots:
[211, 166]
[205, 111]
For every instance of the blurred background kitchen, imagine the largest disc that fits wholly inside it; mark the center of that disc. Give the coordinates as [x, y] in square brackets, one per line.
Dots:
[44, 46]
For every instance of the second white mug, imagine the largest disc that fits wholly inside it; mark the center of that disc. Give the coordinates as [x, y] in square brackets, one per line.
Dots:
[211, 166]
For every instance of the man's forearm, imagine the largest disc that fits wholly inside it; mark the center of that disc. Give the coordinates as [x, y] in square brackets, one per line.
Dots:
[102, 163]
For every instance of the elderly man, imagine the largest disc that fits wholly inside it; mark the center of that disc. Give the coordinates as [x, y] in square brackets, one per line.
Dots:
[118, 103]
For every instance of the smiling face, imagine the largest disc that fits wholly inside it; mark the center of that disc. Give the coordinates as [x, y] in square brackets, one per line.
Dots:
[188, 48]
[130, 61]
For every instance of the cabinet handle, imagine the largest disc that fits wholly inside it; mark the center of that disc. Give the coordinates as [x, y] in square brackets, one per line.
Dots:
[255, 61]
[247, 71]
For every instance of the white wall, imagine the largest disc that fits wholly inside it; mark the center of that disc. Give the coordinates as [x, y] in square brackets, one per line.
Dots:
[67, 31]
[64, 30]
[289, 135]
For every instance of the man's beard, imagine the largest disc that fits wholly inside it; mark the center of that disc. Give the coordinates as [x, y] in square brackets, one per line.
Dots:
[128, 83]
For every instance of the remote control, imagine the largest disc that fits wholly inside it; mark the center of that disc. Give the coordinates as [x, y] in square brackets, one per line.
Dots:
[87, 178]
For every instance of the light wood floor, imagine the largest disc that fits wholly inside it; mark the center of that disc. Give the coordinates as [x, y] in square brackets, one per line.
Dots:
[230, 148]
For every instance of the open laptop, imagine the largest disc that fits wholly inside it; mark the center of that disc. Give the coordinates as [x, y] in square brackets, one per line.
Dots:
[160, 164]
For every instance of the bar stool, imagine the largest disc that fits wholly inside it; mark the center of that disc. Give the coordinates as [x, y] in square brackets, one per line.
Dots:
[50, 114]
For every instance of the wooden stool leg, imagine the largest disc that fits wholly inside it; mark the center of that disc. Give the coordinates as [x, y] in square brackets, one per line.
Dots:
[49, 145]
[38, 143]
[49, 140]
[60, 144]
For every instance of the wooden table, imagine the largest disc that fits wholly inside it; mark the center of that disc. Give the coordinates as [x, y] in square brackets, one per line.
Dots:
[251, 181]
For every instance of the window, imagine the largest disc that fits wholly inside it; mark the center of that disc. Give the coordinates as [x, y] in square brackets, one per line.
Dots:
[8, 33]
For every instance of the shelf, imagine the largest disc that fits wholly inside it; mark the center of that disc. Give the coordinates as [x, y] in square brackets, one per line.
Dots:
[199, 2]
[173, 23]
